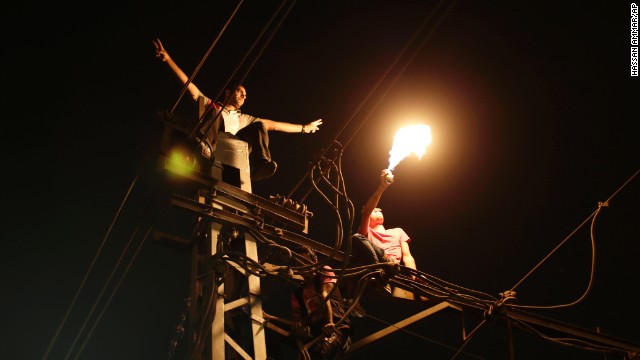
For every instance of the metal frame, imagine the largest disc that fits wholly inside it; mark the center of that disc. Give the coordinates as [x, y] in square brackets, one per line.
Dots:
[220, 203]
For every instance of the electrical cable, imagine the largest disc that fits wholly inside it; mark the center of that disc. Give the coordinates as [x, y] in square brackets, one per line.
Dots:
[58, 330]
[204, 58]
[117, 286]
[239, 65]
[91, 267]
[102, 291]
[593, 217]
[387, 73]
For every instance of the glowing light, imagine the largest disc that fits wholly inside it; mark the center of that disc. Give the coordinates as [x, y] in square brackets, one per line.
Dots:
[411, 139]
[181, 163]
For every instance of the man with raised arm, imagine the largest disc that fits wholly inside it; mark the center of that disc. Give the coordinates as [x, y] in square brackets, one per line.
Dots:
[227, 117]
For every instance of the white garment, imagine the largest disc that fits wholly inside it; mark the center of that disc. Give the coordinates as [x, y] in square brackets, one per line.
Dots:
[231, 121]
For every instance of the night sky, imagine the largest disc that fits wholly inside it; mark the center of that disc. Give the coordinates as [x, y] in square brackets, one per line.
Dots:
[533, 114]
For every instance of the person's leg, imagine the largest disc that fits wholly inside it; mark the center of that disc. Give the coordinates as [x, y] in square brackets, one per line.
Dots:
[364, 253]
[365, 250]
[205, 131]
[370, 253]
[257, 136]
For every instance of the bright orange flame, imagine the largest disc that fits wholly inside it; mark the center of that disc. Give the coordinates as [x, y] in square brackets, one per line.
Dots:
[410, 139]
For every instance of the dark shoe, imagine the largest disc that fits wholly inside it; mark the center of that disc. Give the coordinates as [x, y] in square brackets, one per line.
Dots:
[381, 281]
[330, 346]
[263, 169]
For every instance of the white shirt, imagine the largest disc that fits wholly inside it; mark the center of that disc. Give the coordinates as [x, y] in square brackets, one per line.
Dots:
[231, 121]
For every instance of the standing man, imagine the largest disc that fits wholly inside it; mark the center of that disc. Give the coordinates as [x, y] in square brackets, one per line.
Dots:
[228, 116]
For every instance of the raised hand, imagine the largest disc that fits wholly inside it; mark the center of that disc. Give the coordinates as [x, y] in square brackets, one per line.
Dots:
[313, 126]
[161, 53]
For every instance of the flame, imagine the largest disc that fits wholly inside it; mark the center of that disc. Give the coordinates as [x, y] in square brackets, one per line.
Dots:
[410, 139]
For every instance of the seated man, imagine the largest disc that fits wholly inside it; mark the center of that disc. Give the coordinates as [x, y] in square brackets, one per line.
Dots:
[227, 116]
[376, 243]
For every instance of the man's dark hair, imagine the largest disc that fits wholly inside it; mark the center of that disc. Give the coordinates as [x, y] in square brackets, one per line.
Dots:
[234, 86]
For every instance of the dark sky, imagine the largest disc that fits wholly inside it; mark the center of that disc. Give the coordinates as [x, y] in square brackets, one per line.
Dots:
[533, 113]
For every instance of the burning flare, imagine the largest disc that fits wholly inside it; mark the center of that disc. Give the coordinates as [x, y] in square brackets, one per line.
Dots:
[410, 139]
